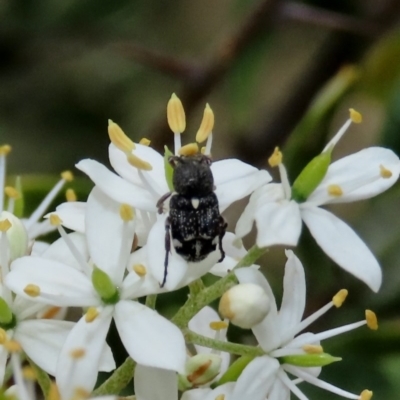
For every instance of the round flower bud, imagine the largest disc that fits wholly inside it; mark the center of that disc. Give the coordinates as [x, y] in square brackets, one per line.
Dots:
[245, 305]
[17, 235]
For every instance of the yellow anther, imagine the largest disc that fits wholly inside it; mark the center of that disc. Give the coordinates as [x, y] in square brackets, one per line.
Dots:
[55, 220]
[54, 394]
[372, 320]
[77, 353]
[206, 126]
[144, 141]
[339, 298]
[220, 397]
[80, 394]
[203, 150]
[126, 212]
[218, 325]
[67, 176]
[140, 269]
[12, 346]
[32, 290]
[385, 173]
[5, 149]
[51, 313]
[335, 190]
[176, 114]
[366, 394]
[276, 158]
[138, 162]
[355, 116]
[313, 349]
[12, 192]
[91, 314]
[118, 138]
[3, 336]
[189, 149]
[70, 195]
[29, 373]
[5, 225]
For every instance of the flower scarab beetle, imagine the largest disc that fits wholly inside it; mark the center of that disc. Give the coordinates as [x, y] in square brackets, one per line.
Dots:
[194, 222]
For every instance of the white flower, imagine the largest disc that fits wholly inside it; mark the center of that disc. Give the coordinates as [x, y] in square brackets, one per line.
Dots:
[279, 216]
[278, 334]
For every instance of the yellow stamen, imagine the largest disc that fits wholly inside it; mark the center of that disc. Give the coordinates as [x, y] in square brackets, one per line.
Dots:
[5, 149]
[189, 150]
[5, 225]
[12, 346]
[372, 320]
[91, 314]
[32, 290]
[77, 353]
[80, 394]
[126, 212]
[12, 192]
[176, 114]
[3, 336]
[118, 138]
[54, 394]
[51, 313]
[218, 325]
[355, 116]
[335, 190]
[220, 397]
[276, 158]
[206, 126]
[385, 173]
[67, 176]
[29, 373]
[70, 195]
[203, 150]
[138, 162]
[313, 349]
[366, 394]
[55, 220]
[140, 269]
[144, 141]
[339, 298]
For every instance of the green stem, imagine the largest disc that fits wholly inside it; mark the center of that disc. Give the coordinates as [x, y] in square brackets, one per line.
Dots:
[251, 257]
[43, 379]
[196, 287]
[118, 380]
[151, 301]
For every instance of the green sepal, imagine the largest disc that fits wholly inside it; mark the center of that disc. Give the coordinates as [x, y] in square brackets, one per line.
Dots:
[311, 176]
[19, 203]
[169, 171]
[309, 360]
[233, 372]
[6, 314]
[104, 286]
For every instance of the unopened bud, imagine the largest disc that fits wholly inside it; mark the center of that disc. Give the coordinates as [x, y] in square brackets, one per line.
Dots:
[17, 236]
[309, 360]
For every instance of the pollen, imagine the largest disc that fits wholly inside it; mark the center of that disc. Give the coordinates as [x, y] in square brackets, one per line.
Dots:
[91, 314]
[12, 192]
[67, 176]
[372, 320]
[5, 225]
[55, 220]
[3, 336]
[5, 150]
[189, 150]
[32, 290]
[220, 397]
[78, 353]
[313, 349]
[70, 195]
[12, 346]
[355, 116]
[80, 394]
[140, 269]
[138, 163]
[339, 298]
[335, 190]
[29, 373]
[54, 394]
[126, 212]
[176, 114]
[385, 173]
[51, 313]
[206, 126]
[118, 138]
[276, 158]
[218, 325]
[144, 141]
[366, 394]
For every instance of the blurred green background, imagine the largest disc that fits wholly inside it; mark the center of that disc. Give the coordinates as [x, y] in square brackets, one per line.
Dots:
[275, 73]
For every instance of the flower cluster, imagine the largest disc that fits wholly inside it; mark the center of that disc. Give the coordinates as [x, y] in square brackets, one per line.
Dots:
[154, 225]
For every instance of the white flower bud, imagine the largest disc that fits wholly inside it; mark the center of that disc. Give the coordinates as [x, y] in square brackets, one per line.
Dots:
[16, 234]
[245, 305]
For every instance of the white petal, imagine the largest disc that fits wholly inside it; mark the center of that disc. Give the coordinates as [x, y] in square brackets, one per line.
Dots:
[82, 372]
[155, 383]
[109, 237]
[149, 338]
[343, 245]
[42, 340]
[72, 214]
[204, 393]
[60, 285]
[359, 176]
[39, 247]
[278, 223]
[116, 187]
[3, 361]
[279, 391]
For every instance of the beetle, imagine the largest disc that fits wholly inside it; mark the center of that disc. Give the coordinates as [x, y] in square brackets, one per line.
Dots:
[194, 222]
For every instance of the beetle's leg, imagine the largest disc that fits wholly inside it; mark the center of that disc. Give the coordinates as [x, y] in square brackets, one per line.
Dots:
[222, 230]
[160, 202]
[167, 249]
